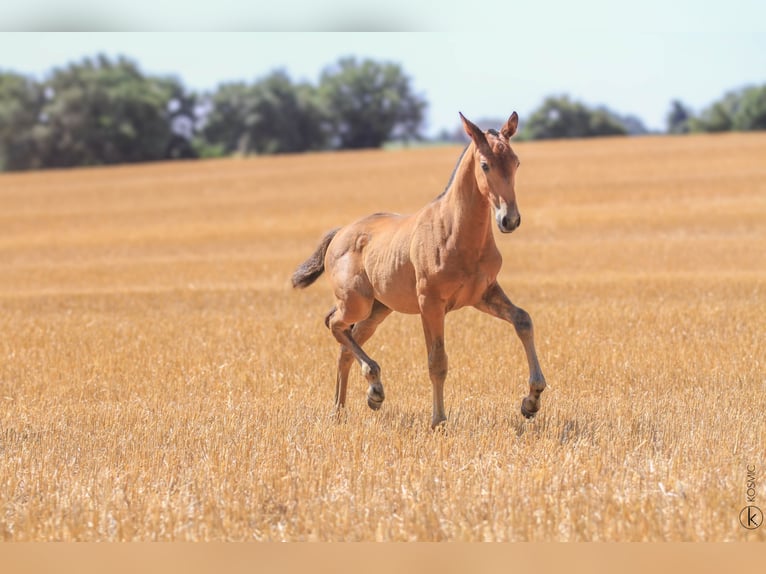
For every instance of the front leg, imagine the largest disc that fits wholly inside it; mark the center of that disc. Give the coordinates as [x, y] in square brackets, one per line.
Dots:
[432, 315]
[496, 303]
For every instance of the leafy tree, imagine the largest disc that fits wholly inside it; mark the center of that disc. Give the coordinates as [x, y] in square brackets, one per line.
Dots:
[751, 112]
[679, 118]
[368, 103]
[560, 117]
[104, 112]
[182, 115]
[226, 122]
[739, 110]
[719, 116]
[21, 102]
[273, 115]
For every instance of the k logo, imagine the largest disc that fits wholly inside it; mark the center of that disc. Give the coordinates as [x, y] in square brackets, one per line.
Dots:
[751, 517]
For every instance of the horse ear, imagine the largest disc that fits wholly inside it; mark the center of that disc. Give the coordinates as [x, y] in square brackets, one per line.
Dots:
[475, 133]
[510, 126]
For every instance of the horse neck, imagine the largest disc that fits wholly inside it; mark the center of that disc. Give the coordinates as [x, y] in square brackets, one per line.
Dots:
[466, 208]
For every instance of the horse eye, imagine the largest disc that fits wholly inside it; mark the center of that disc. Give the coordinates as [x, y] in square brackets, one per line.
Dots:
[485, 166]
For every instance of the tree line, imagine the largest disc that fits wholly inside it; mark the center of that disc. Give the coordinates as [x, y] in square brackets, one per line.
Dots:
[562, 117]
[103, 111]
[738, 110]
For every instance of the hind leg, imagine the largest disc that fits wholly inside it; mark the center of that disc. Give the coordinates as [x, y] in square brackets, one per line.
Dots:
[355, 308]
[360, 333]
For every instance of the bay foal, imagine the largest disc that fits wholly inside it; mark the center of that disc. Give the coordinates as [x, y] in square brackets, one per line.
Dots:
[434, 261]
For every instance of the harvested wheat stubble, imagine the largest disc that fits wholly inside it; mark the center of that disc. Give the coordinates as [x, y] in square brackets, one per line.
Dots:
[160, 380]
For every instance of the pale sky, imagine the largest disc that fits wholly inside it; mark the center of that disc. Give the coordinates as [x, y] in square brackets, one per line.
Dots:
[485, 58]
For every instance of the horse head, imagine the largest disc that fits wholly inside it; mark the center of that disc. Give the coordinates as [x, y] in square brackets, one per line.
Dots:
[495, 167]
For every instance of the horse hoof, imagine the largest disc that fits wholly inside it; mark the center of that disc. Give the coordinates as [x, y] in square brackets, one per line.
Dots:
[375, 397]
[338, 414]
[440, 424]
[373, 404]
[528, 410]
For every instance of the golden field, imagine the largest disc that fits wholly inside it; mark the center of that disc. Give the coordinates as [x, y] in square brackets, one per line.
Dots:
[160, 380]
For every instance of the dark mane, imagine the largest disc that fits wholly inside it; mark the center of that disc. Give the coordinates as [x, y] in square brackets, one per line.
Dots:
[454, 171]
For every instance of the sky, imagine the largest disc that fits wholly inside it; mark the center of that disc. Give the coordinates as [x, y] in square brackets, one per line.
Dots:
[484, 58]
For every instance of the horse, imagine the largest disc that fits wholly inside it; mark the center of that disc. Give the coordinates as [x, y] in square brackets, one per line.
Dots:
[437, 260]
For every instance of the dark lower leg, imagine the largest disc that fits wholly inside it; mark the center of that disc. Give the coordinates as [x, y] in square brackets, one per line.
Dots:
[525, 330]
[497, 304]
[351, 340]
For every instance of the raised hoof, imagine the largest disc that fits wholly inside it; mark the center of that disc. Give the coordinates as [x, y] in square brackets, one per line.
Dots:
[529, 409]
[375, 397]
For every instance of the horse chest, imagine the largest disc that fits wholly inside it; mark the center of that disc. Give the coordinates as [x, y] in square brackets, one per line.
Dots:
[461, 280]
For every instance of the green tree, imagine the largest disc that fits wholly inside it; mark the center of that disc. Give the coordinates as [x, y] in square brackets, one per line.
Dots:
[751, 112]
[560, 117]
[273, 115]
[225, 123]
[182, 116]
[740, 110]
[103, 112]
[21, 103]
[368, 103]
[679, 118]
[719, 116]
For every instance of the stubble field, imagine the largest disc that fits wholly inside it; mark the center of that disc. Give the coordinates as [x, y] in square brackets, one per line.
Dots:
[160, 380]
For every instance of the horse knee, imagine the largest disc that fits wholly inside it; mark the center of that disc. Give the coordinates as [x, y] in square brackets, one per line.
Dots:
[438, 371]
[437, 362]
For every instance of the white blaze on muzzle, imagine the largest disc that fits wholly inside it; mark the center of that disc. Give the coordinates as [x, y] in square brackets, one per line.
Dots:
[507, 219]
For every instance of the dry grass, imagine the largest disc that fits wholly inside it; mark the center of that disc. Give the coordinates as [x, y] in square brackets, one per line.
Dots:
[159, 380]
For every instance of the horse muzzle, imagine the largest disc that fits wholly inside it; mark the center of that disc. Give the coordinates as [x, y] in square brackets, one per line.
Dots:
[507, 221]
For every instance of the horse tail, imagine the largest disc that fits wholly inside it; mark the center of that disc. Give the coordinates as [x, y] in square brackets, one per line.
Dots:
[310, 270]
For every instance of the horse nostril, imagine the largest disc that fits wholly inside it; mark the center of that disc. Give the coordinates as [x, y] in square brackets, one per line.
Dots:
[504, 222]
[518, 221]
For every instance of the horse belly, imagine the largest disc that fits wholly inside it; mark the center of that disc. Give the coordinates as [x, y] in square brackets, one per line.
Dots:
[392, 276]
[393, 296]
